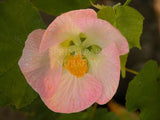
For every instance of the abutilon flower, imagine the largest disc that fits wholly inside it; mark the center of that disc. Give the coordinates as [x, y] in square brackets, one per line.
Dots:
[74, 62]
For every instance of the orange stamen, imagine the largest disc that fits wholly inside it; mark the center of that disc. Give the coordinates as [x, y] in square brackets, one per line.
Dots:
[77, 65]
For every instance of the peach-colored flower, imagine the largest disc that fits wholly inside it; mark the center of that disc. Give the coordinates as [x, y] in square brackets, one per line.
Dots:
[74, 62]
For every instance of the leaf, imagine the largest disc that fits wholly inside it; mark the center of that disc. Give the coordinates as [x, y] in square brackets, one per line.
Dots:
[129, 22]
[17, 19]
[15, 89]
[90, 114]
[37, 110]
[103, 114]
[73, 116]
[57, 7]
[108, 14]
[144, 92]
[123, 61]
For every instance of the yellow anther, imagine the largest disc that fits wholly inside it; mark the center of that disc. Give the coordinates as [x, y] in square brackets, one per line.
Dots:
[77, 65]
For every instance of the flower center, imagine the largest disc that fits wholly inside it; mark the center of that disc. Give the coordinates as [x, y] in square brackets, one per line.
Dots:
[77, 65]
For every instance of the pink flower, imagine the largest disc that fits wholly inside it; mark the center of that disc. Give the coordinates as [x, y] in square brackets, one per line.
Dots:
[74, 62]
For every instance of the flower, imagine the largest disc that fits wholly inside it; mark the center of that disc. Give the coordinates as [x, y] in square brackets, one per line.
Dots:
[74, 62]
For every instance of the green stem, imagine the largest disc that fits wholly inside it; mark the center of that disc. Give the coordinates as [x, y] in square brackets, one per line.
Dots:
[131, 71]
[93, 4]
[127, 2]
[116, 5]
[96, 6]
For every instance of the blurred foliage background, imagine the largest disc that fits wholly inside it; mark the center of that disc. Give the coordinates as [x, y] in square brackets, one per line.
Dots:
[114, 110]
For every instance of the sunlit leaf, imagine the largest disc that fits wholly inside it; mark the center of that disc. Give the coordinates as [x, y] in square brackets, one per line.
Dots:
[108, 14]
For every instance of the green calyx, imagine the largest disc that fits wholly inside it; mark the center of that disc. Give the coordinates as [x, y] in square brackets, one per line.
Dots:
[67, 43]
[82, 37]
[94, 49]
[70, 42]
[80, 48]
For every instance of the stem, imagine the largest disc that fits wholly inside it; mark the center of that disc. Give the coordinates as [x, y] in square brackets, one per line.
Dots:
[121, 111]
[117, 5]
[91, 3]
[94, 110]
[127, 2]
[96, 6]
[131, 71]
[115, 107]
[95, 106]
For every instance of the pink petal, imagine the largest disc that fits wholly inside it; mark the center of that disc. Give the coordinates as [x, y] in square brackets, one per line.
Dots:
[36, 66]
[102, 33]
[63, 27]
[83, 13]
[107, 71]
[74, 94]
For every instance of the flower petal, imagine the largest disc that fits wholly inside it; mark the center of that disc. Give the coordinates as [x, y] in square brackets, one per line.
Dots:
[102, 33]
[83, 13]
[74, 94]
[63, 27]
[106, 69]
[36, 66]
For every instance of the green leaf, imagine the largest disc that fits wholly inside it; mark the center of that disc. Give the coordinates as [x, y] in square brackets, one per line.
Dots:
[90, 114]
[14, 88]
[57, 7]
[108, 14]
[73, 116]
[144, 92]
[37, 110]
[103, 114]
[17, 19]
[123, 61]
[128, 21]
